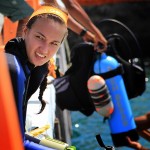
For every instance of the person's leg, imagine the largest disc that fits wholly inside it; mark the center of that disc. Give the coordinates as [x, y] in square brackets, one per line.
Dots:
[143, 122]
[143, 126]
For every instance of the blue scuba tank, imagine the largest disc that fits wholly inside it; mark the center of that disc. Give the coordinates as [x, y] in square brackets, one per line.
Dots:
[121, 121]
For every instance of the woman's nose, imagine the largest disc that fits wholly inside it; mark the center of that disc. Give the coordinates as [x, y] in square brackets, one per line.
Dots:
[44, 48]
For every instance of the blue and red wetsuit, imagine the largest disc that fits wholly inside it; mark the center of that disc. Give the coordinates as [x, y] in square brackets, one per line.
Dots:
[25, 80]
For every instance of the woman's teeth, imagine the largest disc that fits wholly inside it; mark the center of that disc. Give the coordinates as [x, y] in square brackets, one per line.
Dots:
[40, 55]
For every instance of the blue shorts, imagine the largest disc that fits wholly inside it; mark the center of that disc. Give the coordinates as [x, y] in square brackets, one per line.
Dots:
[15, 9]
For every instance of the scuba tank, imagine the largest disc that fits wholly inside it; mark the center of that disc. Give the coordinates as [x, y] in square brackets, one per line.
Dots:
[121, 121]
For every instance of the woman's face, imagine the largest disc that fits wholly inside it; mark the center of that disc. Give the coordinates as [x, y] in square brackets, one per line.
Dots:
[43, 40]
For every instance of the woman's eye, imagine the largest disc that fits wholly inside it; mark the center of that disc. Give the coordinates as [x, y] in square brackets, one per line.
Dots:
[54, 43]
[39, 37]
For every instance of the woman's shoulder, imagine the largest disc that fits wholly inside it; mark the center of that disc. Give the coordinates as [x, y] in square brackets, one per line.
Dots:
[14, 66]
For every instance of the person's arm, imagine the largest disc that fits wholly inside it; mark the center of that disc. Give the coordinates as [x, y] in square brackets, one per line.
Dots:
[81, 16]
[77, 28]
[78, 22]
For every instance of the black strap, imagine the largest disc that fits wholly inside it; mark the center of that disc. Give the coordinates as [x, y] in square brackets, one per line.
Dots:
[100, 142]
[83, 32]
[112, 73]
[30, 138]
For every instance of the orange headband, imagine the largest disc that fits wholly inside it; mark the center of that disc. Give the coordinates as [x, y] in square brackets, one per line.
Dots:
[50, 10]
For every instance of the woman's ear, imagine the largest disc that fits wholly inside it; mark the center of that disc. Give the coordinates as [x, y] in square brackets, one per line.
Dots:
[24, 32]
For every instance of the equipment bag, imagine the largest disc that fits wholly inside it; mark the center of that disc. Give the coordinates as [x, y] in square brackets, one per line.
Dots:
[71, 89]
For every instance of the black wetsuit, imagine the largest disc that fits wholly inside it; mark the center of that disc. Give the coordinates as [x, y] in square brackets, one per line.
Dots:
[25, 80]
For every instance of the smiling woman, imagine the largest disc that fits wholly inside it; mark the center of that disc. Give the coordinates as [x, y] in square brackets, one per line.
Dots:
[28, 58]
[42, 45]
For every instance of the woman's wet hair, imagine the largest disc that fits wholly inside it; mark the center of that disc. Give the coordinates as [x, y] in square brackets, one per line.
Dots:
[42, 89]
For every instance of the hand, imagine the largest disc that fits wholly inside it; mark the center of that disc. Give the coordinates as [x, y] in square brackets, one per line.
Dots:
[100, 44]
[89, 37]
